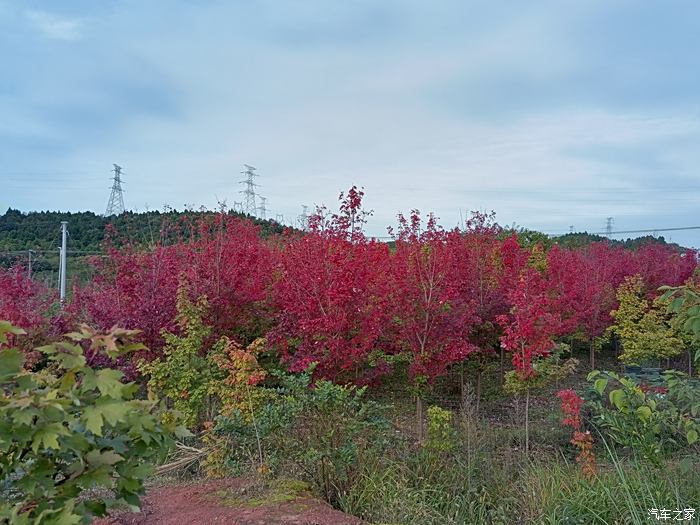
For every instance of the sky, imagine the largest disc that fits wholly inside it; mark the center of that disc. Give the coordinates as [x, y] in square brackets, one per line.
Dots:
[553, 114]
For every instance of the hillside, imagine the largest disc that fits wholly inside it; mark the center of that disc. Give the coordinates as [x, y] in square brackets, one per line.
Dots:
[21, 231]
[40, 231]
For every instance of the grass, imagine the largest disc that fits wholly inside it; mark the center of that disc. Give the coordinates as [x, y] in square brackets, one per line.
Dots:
[487, 478]
[267, 492]
[541, 491]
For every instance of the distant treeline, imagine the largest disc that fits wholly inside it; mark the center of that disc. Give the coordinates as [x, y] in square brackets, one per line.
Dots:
[21, 231]
[41, 230]
[577, 240]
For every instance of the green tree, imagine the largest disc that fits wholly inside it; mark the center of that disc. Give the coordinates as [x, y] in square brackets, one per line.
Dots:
[186, 375]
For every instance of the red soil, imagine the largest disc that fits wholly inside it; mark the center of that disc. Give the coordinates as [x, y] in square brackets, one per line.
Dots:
[202, 504]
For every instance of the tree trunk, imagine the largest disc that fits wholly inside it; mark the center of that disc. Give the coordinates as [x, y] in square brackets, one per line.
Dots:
[478, 391]
[527, 422]
[419, 418]
[503, 366]
[690, 364]
[591, 350]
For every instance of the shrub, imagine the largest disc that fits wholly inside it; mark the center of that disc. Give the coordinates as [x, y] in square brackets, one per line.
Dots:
[69, 428]
[644, 327]
[650, 421]
[318, 432]
[441, 432]
[198, 378]
[184, 375]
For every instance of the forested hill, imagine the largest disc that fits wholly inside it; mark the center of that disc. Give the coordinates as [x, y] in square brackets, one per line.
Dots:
[41, 230]
[576, 240]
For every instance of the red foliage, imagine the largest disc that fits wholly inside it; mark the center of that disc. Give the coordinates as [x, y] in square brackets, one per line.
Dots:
[583, 285]
[433, 320]
[530, 327]
[334, 297]
[23, 302]
[660, 265]
[331, 294]
[479, 276]
[224, 259]
[571, 405]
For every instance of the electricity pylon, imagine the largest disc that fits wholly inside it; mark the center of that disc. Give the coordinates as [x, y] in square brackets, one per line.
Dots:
[115, 206]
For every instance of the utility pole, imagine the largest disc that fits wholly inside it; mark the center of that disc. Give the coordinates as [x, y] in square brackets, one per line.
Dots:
[249, 191]
[262, 210]
[115, 206]
[62, 266]
[29, 264]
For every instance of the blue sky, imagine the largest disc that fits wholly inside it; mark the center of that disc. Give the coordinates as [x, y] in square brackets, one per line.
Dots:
[551, 113]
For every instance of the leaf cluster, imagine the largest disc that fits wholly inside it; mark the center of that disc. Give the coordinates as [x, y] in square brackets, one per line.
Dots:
[70, 428]
[644, 327]
[650, 421]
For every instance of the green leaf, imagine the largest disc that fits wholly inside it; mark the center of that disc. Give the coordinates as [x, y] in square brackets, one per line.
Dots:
[691, 436]
[600, 385]
[8, 328]
[11, 361]
[48, 436]
[644, 412]
[69, 361]
[109, 383]
[592, 374]
[696, 325]
[113, 411]
[676, 303]
[93, 420]
[96, 458]
[24, 417]
[617, 398]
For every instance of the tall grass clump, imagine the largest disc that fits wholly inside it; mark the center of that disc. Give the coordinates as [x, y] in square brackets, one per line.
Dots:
[479, 478]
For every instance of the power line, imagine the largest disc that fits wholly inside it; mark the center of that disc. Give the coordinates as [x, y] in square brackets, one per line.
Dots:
[648, 230]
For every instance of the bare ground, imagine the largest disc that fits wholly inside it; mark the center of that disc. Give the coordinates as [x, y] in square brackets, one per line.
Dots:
[230, 501]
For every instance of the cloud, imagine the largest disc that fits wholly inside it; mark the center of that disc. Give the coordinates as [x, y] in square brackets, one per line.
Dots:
[54, 26]
[551, 114]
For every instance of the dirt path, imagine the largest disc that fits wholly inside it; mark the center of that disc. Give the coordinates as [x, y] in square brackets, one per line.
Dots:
[230, 502]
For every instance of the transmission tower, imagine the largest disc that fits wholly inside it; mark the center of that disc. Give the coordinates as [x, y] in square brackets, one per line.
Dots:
[279, 218]
[262, 210]
[249, 191]
[609, 226]
[303, 219]
[571, 229]
[115, 206]
[238, 206]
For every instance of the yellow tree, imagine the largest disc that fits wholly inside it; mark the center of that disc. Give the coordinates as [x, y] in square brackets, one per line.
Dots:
[643, 325]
